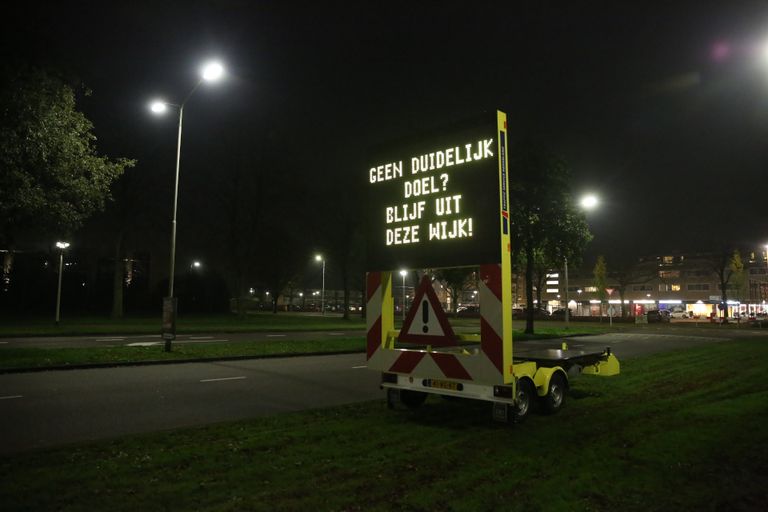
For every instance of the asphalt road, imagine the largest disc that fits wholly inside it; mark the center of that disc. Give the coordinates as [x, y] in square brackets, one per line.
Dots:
[59, 407]
[53, 408]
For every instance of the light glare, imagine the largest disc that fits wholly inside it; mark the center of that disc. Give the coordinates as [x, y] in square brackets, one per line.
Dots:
[158, 107]
[62, 245]
[212, 71]
[589, 202]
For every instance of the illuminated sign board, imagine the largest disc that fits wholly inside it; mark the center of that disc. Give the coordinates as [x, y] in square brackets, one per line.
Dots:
[435, 202]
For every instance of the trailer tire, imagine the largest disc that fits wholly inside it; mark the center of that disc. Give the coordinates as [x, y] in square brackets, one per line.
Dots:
[526, 399]
[554, 400]
[412, 399]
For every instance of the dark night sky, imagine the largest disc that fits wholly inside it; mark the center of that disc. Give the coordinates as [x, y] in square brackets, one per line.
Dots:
[660, 108]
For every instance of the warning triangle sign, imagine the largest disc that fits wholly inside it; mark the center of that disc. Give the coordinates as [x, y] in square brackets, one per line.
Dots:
[426, 322]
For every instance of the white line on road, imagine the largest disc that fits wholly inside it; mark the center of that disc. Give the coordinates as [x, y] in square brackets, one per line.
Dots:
[276, 335]
[363, 366]
[144, 344]
[110, 339]
[335, 334]
[225, 378]
[201, 337]
[3, 342]
[198, 341]
[11, 397]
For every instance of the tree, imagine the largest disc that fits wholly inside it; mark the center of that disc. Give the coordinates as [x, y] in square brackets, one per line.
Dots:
[543, 214]
[52, 177]
[739, 277]
[601, 273]
[727, 265]
[456, 281]
[625, 274]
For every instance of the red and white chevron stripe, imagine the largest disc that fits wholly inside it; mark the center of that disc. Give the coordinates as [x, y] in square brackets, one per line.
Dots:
[481, 364]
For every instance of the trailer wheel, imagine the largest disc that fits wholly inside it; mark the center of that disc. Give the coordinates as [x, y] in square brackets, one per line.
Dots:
[412, 399]
[526, 396]
[554, 400]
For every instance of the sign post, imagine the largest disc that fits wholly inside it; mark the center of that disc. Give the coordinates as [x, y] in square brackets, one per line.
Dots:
[610, 306]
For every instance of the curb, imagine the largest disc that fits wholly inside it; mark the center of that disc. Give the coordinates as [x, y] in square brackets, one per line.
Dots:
[156, 362]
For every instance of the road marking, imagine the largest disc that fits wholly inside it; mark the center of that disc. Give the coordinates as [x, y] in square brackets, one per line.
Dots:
[224, 378]
[110, 339]
[11, 397]
[335, 334]
[363, 366]
[3, 342]
[144, 344]
[276, 335]
[201, 337]
[198, 341]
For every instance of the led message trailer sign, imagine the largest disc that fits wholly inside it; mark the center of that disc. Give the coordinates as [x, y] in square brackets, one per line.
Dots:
[434, 202]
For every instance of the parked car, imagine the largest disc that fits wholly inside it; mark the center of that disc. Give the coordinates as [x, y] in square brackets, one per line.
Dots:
[759, 320]
[679, 314]
[538, 314]
[657, 315]
[468, 311]
[558, 314]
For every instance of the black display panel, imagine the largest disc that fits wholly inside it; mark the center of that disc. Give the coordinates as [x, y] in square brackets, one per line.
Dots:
[434, 201]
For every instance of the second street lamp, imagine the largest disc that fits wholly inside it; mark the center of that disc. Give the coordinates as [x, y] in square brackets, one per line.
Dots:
[209, 73]
[61, 246]
[322, 296]
[588, 202]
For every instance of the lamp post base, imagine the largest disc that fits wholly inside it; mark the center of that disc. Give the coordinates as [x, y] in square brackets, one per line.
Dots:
[170, 305]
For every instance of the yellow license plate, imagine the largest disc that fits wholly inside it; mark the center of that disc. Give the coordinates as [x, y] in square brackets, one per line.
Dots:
[444, 384]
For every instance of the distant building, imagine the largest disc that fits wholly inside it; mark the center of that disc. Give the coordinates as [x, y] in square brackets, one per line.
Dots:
[677, 282]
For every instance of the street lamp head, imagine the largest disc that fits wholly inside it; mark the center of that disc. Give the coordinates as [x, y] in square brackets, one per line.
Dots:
[62, 245]
[318, 257]
[212, 71]
[589, 202]
[196, 264]
[403, 273]
[158, 107]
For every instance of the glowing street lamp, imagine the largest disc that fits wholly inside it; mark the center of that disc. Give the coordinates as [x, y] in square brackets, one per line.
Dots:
[588, 202]
[61, 246]
[319, 257]
[210, 72]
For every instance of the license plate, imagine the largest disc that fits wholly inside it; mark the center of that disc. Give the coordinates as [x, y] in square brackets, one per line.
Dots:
[444, 384]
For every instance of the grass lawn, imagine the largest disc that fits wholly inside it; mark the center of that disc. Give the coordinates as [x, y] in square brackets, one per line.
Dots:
[18, 358]
[677, 431]
[14, 358]
[37, 326]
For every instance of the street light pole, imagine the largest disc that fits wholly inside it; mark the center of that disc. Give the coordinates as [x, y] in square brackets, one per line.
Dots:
[61, 246]
[565, 259]
[318, 257]
[322, 297]
[172, 266]
[766, 263]
[211, 72]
